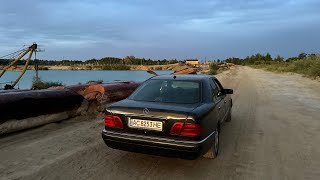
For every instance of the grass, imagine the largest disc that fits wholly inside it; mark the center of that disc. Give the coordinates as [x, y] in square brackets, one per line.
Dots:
[39, 84]
[308, 67]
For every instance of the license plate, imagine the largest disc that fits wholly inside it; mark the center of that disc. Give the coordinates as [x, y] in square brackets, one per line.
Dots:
[145, 124]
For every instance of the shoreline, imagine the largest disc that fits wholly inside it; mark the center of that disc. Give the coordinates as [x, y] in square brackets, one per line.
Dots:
[169, 67]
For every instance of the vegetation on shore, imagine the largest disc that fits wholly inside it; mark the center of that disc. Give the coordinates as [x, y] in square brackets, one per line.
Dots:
[308, 67]
[37, 83]
[306, 64]
[213, 68]
[95, 81]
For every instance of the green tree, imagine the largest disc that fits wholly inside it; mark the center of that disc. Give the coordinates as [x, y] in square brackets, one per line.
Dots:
[268, 57]
[279, 58]
[129, 59]
[302, 56]
[312, 56]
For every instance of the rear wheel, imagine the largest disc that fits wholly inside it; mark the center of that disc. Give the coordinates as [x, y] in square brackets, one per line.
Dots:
[214, 150]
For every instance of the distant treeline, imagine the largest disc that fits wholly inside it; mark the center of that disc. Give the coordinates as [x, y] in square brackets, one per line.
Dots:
[267, 59]
[129, 60]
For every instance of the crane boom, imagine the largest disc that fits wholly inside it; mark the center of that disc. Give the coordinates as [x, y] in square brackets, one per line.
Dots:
[30, 50]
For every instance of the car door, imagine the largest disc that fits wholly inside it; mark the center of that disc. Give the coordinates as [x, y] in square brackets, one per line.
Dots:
[217, 99]
[222, 98]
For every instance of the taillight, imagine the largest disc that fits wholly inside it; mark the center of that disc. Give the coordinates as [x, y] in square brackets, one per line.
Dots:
[176, 128]
[108, 121]
[113, 121]
[186, 129]
[191, 130]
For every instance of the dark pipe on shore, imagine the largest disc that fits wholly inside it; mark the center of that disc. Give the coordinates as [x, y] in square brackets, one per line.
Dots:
[25, 109]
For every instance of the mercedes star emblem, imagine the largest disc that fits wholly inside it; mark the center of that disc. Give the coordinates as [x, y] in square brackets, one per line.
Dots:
[145, 111]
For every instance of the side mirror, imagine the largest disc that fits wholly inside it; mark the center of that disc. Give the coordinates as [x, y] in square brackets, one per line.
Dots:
[228, 91]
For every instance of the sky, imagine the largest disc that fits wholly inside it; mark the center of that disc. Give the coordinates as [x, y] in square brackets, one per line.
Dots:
[166, 29]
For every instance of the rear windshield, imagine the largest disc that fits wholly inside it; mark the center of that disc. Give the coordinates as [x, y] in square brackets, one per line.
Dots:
[168, 91]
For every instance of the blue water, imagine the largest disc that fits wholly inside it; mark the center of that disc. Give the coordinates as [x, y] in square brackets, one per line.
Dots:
[74, 77]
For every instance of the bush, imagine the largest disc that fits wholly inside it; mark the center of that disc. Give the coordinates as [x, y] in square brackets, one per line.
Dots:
[43, 68]
[213, 68]
[39, 84]
[95, 81]
[115, 67]
[309, 67]
[158, 68]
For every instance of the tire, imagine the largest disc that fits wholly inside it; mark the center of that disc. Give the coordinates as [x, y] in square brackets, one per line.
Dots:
[214, 149]
[229, 116]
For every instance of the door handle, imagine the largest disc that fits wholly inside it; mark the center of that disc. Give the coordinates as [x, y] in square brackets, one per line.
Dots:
[219, 107]
[225, 101]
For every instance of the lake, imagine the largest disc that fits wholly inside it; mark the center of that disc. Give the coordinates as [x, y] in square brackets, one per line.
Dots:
[74, 77]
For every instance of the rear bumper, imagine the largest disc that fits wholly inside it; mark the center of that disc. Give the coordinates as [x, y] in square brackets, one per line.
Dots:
[157, 146]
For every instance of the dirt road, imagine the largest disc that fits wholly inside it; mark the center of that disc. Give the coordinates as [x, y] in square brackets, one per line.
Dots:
[274, 134]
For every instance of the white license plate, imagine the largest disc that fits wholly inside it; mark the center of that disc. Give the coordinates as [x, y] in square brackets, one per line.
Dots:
[145, 124]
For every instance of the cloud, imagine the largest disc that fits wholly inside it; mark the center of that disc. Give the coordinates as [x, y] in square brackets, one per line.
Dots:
[160, 29]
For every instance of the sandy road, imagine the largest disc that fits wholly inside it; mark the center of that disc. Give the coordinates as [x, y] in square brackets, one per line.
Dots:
[274, 134]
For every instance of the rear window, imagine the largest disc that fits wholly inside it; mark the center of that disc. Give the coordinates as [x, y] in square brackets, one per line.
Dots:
[168, 91]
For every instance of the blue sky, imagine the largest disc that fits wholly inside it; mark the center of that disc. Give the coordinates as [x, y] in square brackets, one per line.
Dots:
[179, 29]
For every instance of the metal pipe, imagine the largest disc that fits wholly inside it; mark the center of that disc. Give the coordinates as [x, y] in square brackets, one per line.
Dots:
[24, 104]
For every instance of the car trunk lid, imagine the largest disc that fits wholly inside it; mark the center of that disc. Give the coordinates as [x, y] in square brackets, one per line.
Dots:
[146, 117]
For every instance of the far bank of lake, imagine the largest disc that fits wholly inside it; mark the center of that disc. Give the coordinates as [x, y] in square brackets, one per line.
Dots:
[69, 77]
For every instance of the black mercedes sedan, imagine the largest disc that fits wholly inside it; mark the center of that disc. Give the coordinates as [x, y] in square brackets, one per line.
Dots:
[170, 115]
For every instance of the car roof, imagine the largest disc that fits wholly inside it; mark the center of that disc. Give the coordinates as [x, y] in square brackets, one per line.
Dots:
[194, 77]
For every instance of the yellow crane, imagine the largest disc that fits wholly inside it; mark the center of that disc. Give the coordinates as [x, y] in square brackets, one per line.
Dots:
[19, 55]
